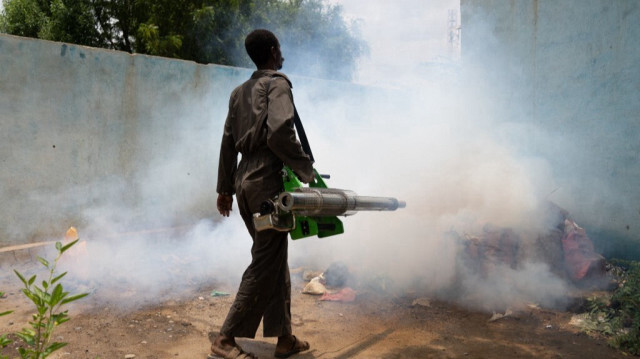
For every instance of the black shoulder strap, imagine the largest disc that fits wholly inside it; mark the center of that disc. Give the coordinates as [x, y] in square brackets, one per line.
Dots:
[303, 136]
[297, 122]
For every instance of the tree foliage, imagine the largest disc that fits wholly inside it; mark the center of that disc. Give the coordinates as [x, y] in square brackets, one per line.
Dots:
[316, 39]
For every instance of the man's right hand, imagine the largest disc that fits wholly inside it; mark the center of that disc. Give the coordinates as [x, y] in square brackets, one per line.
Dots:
[225, 203]
[305, 179]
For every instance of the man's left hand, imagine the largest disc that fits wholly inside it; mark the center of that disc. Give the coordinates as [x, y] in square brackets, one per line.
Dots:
[225, 203]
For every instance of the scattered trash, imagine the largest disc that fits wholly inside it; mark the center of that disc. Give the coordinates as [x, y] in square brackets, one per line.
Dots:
[337, 275]
[497, 316]
[343, 295]
[308, 275]
[217, 293]
[549, 326]
[422, 302]
[78, 250]
[71, 235]
[579, 254]
[129, 356]
[580, 320]
[315, 287]
[564, 247]
[590, 322]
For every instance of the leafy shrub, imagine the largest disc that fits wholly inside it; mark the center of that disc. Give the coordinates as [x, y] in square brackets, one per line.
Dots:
[619, 319]
[48, 300]
[3, 338]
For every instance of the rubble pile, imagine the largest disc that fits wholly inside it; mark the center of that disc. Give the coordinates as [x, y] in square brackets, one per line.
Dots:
[565, 248]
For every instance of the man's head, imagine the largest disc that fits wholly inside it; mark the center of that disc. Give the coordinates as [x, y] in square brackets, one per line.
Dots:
[264, 49]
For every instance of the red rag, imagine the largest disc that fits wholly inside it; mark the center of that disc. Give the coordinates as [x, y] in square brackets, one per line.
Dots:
[343, 295]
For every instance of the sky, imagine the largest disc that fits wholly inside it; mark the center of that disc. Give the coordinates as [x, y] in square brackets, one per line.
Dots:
[400, 33]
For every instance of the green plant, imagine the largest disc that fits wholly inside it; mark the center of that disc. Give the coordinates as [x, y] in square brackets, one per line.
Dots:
[48, 300]
[4, 341]
[619, 319]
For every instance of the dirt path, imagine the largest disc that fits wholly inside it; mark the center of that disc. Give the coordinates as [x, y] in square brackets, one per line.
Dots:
[373, 327]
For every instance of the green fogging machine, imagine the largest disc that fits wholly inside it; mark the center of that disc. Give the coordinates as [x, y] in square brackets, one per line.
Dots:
[313, 210]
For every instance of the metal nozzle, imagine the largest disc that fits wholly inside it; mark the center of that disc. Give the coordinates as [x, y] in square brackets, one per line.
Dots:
[333, 202]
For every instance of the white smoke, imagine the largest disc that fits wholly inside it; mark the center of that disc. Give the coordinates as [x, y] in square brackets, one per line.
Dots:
[429, 134]
[424, 130]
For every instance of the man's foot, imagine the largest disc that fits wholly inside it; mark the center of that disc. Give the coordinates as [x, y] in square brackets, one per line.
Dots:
[289, 345]
[224, 347]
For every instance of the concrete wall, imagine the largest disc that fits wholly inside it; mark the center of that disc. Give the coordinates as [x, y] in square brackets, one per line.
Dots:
[566, 74]
[113, 142]
[90, 136]
[87, 132]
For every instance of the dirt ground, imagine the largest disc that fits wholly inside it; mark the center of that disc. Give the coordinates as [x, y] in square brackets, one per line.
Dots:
[373, 326]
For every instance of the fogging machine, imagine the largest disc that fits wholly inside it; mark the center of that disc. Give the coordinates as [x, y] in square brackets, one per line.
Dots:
[313, 210]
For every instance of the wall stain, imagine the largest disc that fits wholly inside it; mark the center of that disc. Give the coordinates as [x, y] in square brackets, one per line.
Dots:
[63, 50]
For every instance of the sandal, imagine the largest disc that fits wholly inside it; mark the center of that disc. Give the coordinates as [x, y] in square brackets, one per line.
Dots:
[234, 353]
[295, 349]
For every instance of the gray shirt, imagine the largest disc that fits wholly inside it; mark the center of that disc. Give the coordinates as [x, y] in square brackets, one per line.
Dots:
[263, 133]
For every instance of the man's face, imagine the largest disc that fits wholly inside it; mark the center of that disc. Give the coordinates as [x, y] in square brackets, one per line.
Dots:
[278, 57]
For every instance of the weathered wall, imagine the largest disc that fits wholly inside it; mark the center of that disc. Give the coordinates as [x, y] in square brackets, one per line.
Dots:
[131, 141]
[84, 129]
[109, 141]
[567, 76]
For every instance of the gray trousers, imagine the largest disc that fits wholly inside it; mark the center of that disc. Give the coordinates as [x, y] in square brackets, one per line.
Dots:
[265, 290]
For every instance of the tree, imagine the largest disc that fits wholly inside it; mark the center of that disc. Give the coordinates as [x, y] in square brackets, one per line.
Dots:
[316, 39]
[57, 20]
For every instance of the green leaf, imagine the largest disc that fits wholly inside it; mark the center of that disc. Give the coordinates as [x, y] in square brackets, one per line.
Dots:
[4, 342]
[21, 277]
[53, 347]
[74, 298]
[27, 337]
[34, 298]
[5, 313]
[62, 320]
[54, 280]
[44, 262]
[45, 285]
[58, 246]
[56, 295]
[39, 293]
[63, 249]
[32, 279]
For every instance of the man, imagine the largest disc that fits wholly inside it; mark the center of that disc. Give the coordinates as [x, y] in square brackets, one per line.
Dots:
[259, 126]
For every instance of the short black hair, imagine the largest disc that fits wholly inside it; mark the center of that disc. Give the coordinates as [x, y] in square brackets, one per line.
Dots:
[258, 45]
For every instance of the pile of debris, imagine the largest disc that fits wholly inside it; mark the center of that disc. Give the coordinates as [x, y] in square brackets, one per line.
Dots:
[565, 248]
[331, 285]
